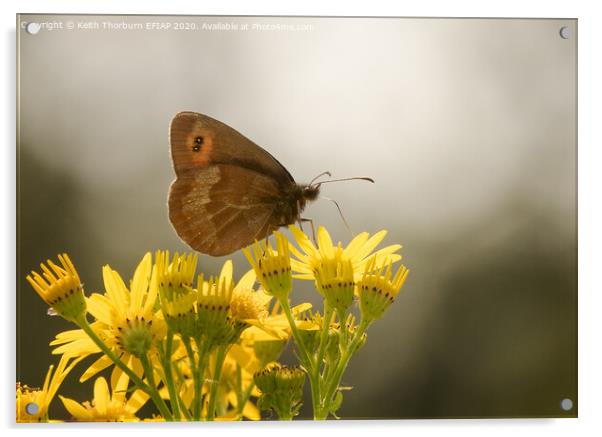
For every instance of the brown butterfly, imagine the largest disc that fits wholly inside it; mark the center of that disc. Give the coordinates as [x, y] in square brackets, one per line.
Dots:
[228, 192]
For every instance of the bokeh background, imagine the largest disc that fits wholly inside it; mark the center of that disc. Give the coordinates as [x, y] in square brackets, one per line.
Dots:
[468, 127]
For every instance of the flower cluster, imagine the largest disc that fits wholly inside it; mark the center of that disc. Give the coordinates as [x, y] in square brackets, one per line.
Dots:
[205, 347]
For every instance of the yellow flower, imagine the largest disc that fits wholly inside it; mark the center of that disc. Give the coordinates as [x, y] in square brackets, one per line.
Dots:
[378, 288]
[178, 299]
[334, 280]
[250, 309]
[213, 304]
[107, 406]
[180, 314]
[61, 289]
[248, 305]
[276, 326]
[175, 278]
[273, 267]
[32, 404]
[334, 268]
[126, 321]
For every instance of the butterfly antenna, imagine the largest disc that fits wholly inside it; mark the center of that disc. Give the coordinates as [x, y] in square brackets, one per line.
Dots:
[363, 178]
[341, 214]
[326, 173]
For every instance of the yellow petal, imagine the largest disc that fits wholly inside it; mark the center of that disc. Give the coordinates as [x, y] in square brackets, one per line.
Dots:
[136, 401]
[306, 277]
[76, 410]
[99, 365]
[301, 308]
[250, 411]
[151, 297]
[114, 290]
[187, 393]
[325, 242]
[300, 267]
[134, 364]
[47, 379]
[83, 346]
[60, 374]
[67, 336]
[307, 325]
[271, 330]
[101, 308]
[303, 241]
[255, 333]
[369, 245]
[139, 285]
[240, 355]
[102, 396]
[247, 281]
[119, 384]
[226, 273]
[292, 249]
[379, 258]
[355, 244]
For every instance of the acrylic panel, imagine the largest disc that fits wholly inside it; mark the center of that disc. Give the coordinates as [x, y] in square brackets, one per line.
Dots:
[257, 287]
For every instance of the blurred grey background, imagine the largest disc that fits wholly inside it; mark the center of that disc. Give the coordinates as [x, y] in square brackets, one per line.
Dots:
[468, 127]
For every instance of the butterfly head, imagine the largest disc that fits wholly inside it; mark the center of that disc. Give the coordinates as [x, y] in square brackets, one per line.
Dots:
[310, 192]
[302, 195]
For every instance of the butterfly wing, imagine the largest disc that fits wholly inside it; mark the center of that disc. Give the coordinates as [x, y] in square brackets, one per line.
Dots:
[219, 144]
[227, 189]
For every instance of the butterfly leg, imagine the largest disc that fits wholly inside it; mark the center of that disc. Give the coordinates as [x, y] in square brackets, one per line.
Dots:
[313, 229]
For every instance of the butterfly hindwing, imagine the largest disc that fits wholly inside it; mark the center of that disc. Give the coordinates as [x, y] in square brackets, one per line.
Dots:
[214, 215]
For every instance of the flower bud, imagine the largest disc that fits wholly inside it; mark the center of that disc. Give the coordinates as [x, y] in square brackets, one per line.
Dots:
[281, 389]
[61, 288]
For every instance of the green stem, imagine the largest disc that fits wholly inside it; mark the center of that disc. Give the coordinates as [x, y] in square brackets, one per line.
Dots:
[196, 375]
[245, 398]
[343, 327]
[217, 373]
[180, 381]
[314, 385]
[335, 379]
[85, 326]
[203, 361]
[324, 335]
[316, 378]
[305, 358]
[167, 369]
[150, 374]
[242, 396]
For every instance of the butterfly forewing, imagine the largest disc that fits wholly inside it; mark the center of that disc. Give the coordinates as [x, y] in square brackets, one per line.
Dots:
[198, 140]
[227, 190]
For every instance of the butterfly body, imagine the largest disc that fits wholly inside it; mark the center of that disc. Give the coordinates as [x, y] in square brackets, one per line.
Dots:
[293, 202]
[228, 191]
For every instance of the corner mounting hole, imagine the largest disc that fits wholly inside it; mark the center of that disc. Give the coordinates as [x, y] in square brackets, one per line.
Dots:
[565, 32]
[32, 28]
[566, 404]
[32, 408]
